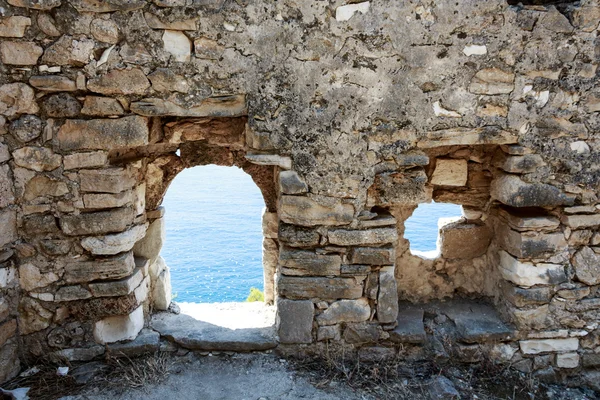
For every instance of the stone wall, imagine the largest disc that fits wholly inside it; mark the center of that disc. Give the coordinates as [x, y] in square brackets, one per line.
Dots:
[347, 116]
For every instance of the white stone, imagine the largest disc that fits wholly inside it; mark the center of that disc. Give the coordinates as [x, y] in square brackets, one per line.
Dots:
[119, 327]
[344, 13]
[548, 345]
[161, 294]
[475, 50]
[149, 247]
[7, 276]
[114, 244]
[568, 360]
[42, 296]
[440, 111]
[31, 278]
[580, 147]
[141, 292]
[527, 274]
[561, 333]
[270, 159]
[156, 268]
[450, 173]
[178, 44]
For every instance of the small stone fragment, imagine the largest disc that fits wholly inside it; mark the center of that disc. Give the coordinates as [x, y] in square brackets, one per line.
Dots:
[344, 13]
[178, 45]
[47, 25]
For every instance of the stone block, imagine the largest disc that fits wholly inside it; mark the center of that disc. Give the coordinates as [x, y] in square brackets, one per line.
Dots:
[113, 180]
[372, 255]
[97, 201]
[387, 299]
[8, 222]
[85, 160]
[69, 51]
[291, 183]
[17, 98]
[528, 274]
[37, 158]
[400, 188]
[121, 287]
[329, 332]
[119, 327]
[567, 360]
[345, 311]
[295, 319]
[103, 134]
[97, 223]
[149, 246]
[377, 236]
[512, 191]
[581, 221]
[107, 268]
[270, 255]
[456, 235]
[305, 262]
[132, 81]
[178, 45]
[42, 186]
[530, 244]
[549, 345]
[304, 211]
[30, 277]
[146, 342]
[270, 159]
[14, 26]
[450, 172]
[114, 244]
[525, 220]
[20, 53]
[80, 354]
[71, 293]
[161, 292]
[491, 81]
[522, 164]
[98, 106]
[521, 297]
[26, 128]
[53, 83]
[8, 330]
[361, 333]
[587, 266]
[466, 136]
[33, 317]
[270, 225]
[376, 354]
[165, 80]
[296, 236]
[295, 287]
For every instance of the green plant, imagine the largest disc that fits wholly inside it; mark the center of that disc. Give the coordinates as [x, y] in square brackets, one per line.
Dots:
[255, 295]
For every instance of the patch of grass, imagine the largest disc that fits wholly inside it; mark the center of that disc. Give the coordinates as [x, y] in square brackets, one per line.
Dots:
[138, 372]
[255, 295]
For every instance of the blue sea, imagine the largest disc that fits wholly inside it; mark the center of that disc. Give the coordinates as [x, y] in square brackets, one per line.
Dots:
[214, 234]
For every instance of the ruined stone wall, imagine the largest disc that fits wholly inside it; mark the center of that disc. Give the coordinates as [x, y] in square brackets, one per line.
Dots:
[346, 117]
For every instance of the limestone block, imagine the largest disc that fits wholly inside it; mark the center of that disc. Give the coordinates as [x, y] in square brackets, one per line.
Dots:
[387, 299]
[14, 27]
[108, 180]
[114, 244]
[294, 320]
[304, 211]
[165, 80]
[306, 262]
[30, 277]
[466, 136]
[367, 237]
[161, 293]
[270, 159]
[121, 287]
[53, 83]
[401, 188]
[106, 268]
[47, 25]
[85, 160]
[139, 195]
[587, 266]
[523, 164]
[555, 21]
[132, 81]
[296, 287]
[80, 354]
[10, 365]
[17, 98]
[97, 223]
[107, 200]
[512, 191]
[69, 51]
[372, 255]
[71, 293]
[548, 345]
[149, 247]
[529, 244]
[296, 236]
[270, 255]
[41, 185]
[178, 45]
[20, 53]
[4, 153]
[147, 342]
[178, 25]
[37, 158]
[492, 81]
[567, 360]
[581, 221]
[38, 224]
[455, 235]
[523, 220]
[529, 274]
[531, 318]
[101, 106]
[121, 327]
[208, 49]
[103, 134]
[270, 224]
[105, 30]
[8, 222]
[450, 172]
[345, 311]
[522, 297]
[291, 183]
[7, 277]
[61, 105]
[141, 292]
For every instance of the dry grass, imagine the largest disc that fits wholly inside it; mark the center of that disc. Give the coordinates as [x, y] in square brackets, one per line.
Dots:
[128, 373]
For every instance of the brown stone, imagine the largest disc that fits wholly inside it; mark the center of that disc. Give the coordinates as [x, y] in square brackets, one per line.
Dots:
[113, 180]
[17, 98]
[467, 136]
[35, 4]
[96, 223]
[69, 51]
[179, 25]
[132, 81]
[33, 317]
[7, 331]
[492, 81]
[61, 105]
[106, 268]
[10, 365]
[105, 30]
[41, 185]
[47, 25]
[512, 191]
[455, 235]
[103, 134]
[6, 186]
[295, 287]
[37, 158]
[14, 26]
[450, 172]
[106, 6]
[218, 106]
[101, 106]
[402, 188]
[85, 160]
[304, 262]
[39, 224]
[52, 83]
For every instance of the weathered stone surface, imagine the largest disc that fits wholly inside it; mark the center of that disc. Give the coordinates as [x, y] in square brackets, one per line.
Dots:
[17, 98]
[149, 247]
[375, 236]
[97, 223]
[525, 220]
[304, 262]
[198, 335]
[178, 45]
[52, 83]
[69, 51]
[103, 134]
[120, 327]
[307, 212]
[132, 81]
[221, 106]
[30, 277]
[492, 81]
[530, 244]
[26, 128]
[37, 224]
[523, 164]
[270, 225]
[466, 136]
[85, 160]
[587, 266]
[10, 365]
[548, 345]
[527, 274]
[295, 287]
[291, 183]
[61, 105]
[41, 185]
[296, 236]
[20, 53]
[345, 311]
[581, 221]
[387, 299]
[98, 201]
[120, 287]
[475, 322]
[71, 293]
[456, 234]
[107, 268]
[295, 319]
[361, 333]
[270, 159]
[372, 255]
[411, 328]
[114, 244]
[14, 26]
[6, 187]
[8, 330]
[161, 293]
[37, 158]
[113, 180]
[403, 188]
[567, 360]
[105, 30]
[101, 106]
[145, 343]
[165, 80]
[512, 191]
[329, 332]
[107, 6]
[179, 25]
[450, 172]
[522, 297]
[33, 317]
[35, 4]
